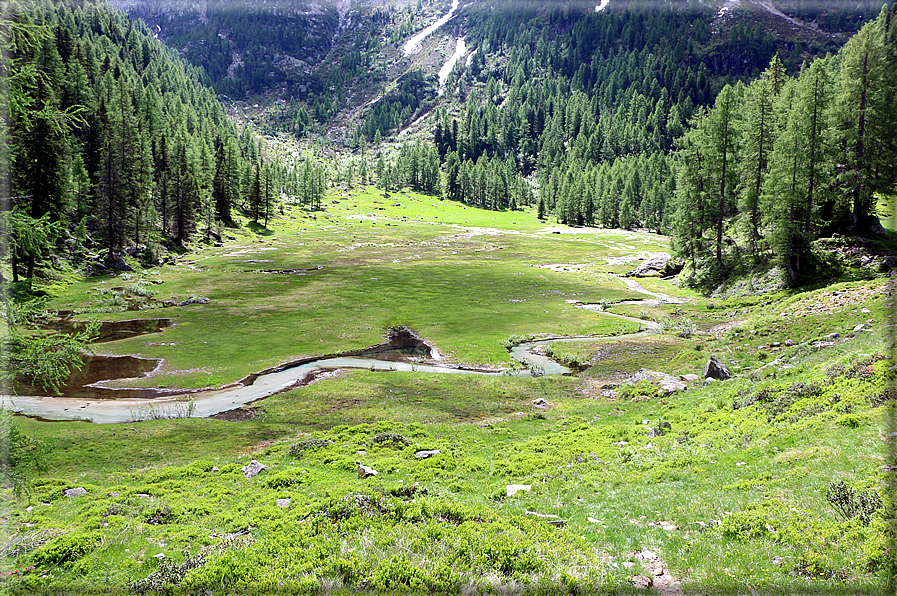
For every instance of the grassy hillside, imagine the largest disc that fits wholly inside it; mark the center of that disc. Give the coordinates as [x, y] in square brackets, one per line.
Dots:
[765, 483]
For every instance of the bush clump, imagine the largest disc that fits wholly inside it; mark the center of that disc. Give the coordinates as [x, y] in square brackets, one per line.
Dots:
[297, 449]
[388, 437]
[170, 573]
[852, 503]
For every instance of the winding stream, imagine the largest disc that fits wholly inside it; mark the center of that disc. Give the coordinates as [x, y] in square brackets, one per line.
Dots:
[391, 356]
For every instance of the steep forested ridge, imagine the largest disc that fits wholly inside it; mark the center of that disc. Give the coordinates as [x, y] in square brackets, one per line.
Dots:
[115, 143]
[112, 136]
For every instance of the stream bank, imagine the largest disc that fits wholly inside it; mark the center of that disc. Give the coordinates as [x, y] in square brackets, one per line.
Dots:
[95, 401]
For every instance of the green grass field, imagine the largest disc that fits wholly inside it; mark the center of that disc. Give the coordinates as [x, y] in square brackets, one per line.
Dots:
[738, 471]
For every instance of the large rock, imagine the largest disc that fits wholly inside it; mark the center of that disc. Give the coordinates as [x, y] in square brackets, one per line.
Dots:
[365, 471]
[655, 264]
[253, 468]
[513, 489]
[714, 369]
[119, 264]
[75, 492]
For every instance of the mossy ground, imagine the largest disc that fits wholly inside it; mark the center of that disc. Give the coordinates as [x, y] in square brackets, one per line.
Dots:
[742, 470]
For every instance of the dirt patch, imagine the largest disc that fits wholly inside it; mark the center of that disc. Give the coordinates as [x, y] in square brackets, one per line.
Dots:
[238, 414]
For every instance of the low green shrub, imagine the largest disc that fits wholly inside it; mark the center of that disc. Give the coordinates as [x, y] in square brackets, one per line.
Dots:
[65, 549]
[298, 449]
[391, 437]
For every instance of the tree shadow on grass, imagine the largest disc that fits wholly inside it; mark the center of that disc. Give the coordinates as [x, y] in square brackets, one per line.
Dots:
[259, 229]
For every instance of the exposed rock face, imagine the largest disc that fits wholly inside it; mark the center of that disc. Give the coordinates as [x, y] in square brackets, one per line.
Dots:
[655, 264]
[253, 469]
[715, 369]
[400, 342]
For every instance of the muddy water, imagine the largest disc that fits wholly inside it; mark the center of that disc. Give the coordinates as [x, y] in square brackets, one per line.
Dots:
[113, 330]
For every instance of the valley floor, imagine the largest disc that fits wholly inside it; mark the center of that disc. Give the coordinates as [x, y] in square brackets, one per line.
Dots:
[769, 482]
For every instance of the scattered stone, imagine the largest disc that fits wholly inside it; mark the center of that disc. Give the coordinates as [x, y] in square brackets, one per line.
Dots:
[592, 520]
[361, 452]
[741, 463]
[888, 262]
[159, 556]
[365, 471]
[776, 344]
[253, 469]
[664, 382]
[647, 555]
[690, 378]
[833, 335]
[865, 311]
[655, 264]
[714, 369]
[75, 492]
[658, 571]
[859, 327]
[642, 582]
[426, 453]
[789, 342]
[283, 503]
[628, 564]
[513, 489]
[540, 402]
[194, 300]
[778, 561]
[214, 469]
[667, 526]
[142, 495]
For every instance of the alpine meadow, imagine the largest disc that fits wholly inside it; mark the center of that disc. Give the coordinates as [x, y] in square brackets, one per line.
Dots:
[507, 297]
